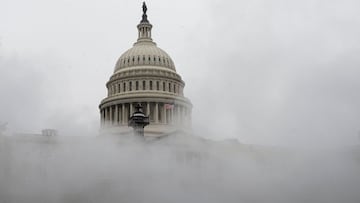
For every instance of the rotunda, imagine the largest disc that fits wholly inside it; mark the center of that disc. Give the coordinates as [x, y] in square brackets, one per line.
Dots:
[145, 74]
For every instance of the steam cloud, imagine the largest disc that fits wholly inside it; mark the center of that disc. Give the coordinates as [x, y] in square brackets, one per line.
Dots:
[172, 169]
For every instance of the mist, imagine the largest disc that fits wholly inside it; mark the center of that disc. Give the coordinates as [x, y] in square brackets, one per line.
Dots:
[282, 72]
[274, 87]
[177, 168]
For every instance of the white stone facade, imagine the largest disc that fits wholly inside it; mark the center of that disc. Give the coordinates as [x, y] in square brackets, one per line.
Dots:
[146, 74]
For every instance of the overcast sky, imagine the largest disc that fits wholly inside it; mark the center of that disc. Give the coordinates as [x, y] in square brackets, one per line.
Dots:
[264, 72]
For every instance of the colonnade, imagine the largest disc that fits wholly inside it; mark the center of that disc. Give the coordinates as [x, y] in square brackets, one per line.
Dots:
[158, 112]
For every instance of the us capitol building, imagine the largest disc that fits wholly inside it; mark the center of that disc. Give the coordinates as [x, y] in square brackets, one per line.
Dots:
[146, 74]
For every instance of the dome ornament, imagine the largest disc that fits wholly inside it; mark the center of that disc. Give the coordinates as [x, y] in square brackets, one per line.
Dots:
[144, 16]
[144, 7]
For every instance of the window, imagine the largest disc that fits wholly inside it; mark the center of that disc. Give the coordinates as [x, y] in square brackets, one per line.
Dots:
[174, 88]
[119, 88]
[157, 85]
[151, 87]
[169, 87]
[124, 87]
[130, 86]
[144, 83]
[163, 86]
[137, 85]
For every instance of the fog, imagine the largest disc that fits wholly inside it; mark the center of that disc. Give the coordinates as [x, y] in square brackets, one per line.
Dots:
[274, 87]
[177, 168]
[281, 72]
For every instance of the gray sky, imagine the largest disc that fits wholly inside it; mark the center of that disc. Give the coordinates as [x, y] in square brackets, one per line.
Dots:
[264, 72]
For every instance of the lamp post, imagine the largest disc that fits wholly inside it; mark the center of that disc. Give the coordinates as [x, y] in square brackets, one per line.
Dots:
[138, 121]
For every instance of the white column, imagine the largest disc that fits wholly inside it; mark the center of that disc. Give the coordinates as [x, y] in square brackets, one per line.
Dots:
[111, 115]
[172, 115]
[178, 116]
[116, 114]
[123, 114]
[131, 109]
[127, 113]
[156, 111]
[106, 116]
[147, 108]
[183, 118]
[164, 114]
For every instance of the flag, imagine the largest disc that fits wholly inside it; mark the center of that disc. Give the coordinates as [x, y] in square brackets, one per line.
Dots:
[169, 106]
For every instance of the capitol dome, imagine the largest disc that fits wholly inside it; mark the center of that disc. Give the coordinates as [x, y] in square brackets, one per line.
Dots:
[146, 75]
[144, 54]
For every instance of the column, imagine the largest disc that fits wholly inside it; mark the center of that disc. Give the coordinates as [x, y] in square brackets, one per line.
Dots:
[111, 115]
[183, 117]
[147, 108]
[116, 114]
[178, 116]
[127, 109]
[164, 114]
[106, 116]
[123, 114]
[131, 109]
[101, 118]
[156, 111]
[172, 115]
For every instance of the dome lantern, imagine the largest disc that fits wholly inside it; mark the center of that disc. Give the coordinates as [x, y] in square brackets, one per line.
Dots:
[144, 27]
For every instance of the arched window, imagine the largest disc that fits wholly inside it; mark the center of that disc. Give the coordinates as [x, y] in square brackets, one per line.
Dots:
[130, 86]
[144, 85]
[124, 86]
[157, 85]
[169, 87]
[137, 85]
[119, 90]
[151, 85]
